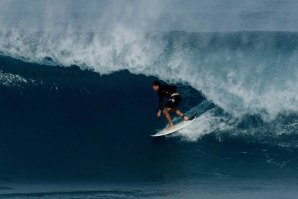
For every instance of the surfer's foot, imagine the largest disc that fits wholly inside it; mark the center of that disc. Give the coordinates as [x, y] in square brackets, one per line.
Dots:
[170, 127]
[185, 118]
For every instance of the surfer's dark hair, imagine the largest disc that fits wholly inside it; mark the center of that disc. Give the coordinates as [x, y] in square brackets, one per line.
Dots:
[156, 83]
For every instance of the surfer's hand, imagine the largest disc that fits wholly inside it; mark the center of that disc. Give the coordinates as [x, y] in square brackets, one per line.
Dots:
[158, 113]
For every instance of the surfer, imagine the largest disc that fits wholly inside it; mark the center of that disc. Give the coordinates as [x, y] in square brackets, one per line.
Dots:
[174, 98]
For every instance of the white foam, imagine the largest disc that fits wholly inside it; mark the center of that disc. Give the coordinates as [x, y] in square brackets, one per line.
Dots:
[208, 122]
[11, 80]
[107, 36]
[241, 82]
[153, 15]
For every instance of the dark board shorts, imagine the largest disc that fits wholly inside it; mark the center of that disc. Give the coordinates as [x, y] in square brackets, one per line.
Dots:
[173, 102]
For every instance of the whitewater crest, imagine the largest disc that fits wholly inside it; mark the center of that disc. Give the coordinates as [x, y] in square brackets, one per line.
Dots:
[244, 73]
[12, 80]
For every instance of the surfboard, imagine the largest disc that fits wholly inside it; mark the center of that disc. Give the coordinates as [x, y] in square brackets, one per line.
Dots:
[176, 128]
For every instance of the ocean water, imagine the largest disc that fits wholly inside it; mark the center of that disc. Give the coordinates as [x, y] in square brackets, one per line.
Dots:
[77, 107]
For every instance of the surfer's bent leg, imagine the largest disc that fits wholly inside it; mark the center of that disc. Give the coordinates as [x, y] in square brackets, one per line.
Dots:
[173, 103]
[166, 111]
[184, 117]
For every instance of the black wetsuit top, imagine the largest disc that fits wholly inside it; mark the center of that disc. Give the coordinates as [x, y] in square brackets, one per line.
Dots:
[165, 91]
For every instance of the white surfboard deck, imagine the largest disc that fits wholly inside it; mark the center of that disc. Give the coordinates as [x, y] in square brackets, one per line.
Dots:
[176, 128]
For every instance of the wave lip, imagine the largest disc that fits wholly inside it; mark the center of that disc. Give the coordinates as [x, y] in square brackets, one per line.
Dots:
[245, 73]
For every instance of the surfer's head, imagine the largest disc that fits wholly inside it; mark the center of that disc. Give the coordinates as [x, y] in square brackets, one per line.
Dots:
[155, 85]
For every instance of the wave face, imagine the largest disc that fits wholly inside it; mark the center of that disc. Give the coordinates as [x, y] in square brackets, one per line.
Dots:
[245, 73]
[68, 124]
